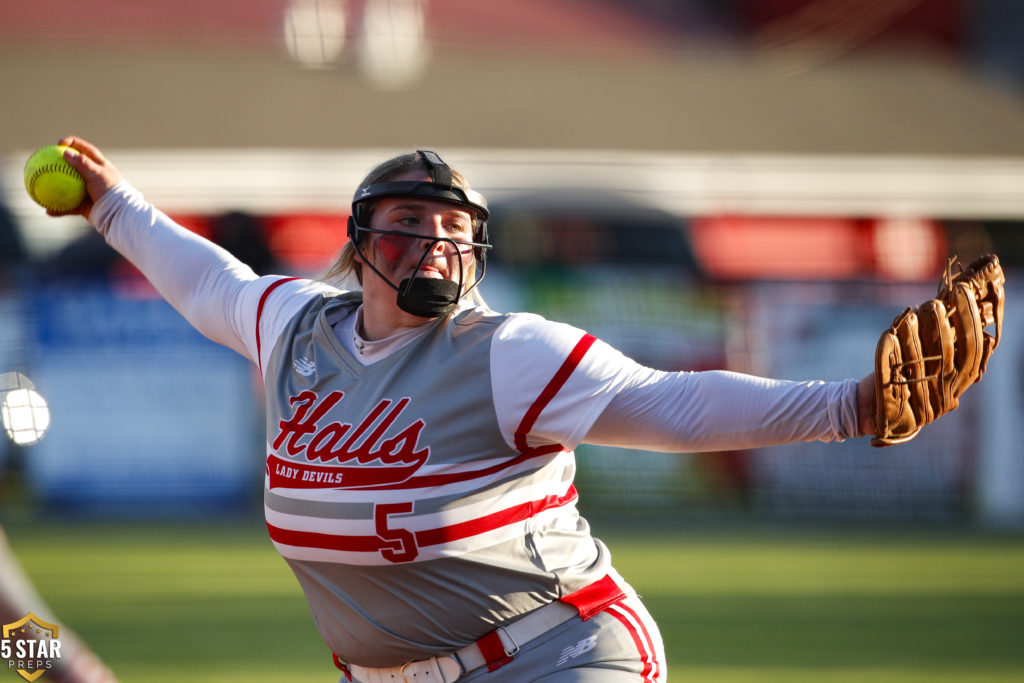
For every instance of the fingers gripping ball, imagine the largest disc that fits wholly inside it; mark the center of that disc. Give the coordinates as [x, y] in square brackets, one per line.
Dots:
[51, 182]
[931, 354]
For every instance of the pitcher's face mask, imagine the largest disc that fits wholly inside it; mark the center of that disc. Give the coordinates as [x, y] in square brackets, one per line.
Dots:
[427, 297]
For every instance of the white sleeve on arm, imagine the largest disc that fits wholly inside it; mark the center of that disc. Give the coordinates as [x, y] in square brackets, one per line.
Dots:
[550, 381]
[718, 410]
[218, 294]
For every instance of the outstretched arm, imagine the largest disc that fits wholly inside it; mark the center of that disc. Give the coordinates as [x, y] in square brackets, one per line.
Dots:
[555, 384]
[719, 410]
[203, 281]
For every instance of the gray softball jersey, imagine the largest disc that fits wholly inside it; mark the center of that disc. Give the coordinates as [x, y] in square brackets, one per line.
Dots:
[411, 524]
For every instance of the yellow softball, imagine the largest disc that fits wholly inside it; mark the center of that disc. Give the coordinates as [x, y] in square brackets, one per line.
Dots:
[51, 182]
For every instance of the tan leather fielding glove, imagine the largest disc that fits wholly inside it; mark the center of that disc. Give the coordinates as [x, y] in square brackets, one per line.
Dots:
[932, 353]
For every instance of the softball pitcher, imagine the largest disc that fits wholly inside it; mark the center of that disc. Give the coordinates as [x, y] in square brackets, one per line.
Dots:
[419, 446]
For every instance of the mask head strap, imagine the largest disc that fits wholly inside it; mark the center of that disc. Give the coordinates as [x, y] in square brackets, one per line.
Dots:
[439, 170]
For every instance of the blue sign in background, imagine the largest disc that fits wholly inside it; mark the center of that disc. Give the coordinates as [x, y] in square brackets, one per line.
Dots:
[147, 414]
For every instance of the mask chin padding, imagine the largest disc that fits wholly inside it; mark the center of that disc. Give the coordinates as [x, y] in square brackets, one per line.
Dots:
[427, 297]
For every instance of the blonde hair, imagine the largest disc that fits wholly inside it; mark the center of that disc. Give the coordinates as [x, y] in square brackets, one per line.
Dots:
[346, 272]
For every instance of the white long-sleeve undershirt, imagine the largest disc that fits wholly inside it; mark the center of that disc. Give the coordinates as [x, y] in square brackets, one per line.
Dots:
[213, 290]
[719, 410]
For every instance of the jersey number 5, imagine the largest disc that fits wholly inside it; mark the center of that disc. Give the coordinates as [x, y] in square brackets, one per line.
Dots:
[399, 544]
